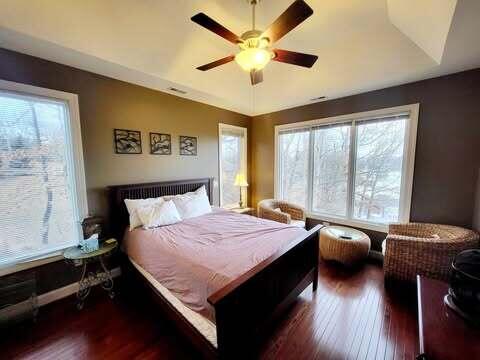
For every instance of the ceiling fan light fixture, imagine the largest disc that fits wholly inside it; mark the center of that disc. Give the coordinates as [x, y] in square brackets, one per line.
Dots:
[256, 46]
[253, 58]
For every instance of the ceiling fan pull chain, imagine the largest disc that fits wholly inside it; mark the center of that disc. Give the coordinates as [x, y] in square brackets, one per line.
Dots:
[254, 2]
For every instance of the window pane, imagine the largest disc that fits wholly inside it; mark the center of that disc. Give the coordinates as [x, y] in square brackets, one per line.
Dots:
[36, 204]
[330, 169]
[293, 156]
[378, 170]
[231, 165]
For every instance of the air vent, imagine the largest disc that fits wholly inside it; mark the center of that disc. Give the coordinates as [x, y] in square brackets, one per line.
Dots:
[177, 90]
[318, 98]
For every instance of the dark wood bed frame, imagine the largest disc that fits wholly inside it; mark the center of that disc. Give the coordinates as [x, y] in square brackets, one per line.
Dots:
[244, 308]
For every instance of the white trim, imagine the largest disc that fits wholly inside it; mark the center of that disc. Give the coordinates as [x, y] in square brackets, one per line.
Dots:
[349, 222]
[74, 142]
[68, 290]
[407, 167]
[244, 130]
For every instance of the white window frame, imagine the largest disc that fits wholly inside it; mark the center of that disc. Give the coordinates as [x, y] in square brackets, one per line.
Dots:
[407, 166]
[76, 161]
[222, 126]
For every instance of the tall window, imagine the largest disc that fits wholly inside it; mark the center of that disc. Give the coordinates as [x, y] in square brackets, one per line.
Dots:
[42, 190]
[233, 161]
[355, 169]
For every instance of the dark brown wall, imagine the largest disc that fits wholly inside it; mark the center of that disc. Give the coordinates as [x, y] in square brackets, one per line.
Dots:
[448, 142]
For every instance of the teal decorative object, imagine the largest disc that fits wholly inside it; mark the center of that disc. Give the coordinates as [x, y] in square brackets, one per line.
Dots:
[90, 244]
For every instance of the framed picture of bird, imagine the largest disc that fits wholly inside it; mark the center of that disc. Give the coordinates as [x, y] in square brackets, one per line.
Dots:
[127, 141]
[160, 144]
[188, 145]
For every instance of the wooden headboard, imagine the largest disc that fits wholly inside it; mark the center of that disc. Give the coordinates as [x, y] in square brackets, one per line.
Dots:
[118, 193]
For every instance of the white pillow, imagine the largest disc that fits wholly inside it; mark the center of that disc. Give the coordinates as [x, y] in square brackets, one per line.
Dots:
[158, 214]
[132, 206]
[193, 204]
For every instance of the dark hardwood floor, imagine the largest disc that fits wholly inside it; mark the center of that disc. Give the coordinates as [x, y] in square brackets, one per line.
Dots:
[351, 316]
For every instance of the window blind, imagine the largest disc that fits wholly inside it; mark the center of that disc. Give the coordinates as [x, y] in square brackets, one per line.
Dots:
[37, 199]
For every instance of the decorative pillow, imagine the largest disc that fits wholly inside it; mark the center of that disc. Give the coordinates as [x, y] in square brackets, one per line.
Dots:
[158, 214]
[132, 206]
[193, 204]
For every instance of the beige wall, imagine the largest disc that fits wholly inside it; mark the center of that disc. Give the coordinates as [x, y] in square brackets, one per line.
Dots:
[106, 104]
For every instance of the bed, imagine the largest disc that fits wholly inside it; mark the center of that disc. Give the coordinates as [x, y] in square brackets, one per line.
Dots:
[232, 312]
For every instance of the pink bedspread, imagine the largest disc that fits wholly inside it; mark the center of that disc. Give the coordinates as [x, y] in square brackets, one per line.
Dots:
[198, 256]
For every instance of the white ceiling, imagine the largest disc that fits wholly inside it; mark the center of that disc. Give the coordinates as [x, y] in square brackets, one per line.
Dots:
[154, 43]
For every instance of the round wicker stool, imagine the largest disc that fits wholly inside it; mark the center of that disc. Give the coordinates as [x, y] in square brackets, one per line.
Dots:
[343, 244]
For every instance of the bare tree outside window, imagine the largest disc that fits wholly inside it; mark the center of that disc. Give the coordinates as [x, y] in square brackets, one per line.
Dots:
[378, 171]
[354, 172]
[231, 166]
[35, 200]
[294, 149]
[330, 169]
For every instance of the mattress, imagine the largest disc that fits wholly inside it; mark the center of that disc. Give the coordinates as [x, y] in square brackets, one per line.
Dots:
[198, 256]
[204, 326]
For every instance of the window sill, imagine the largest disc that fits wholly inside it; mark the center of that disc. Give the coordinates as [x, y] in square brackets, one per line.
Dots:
[353, 223]
[231, 206]
[29, 264]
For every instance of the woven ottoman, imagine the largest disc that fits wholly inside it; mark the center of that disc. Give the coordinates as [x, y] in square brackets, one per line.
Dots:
[343, 244]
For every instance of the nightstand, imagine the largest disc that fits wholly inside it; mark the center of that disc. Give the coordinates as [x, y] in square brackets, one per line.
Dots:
[246, 210]
[77, 257]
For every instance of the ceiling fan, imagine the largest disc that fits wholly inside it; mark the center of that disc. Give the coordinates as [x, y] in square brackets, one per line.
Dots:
[256, 46]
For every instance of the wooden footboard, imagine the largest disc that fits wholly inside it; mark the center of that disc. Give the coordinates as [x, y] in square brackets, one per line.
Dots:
[245, 307]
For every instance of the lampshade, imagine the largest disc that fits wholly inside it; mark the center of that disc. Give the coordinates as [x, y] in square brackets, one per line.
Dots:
[253, 58]
[240, 180]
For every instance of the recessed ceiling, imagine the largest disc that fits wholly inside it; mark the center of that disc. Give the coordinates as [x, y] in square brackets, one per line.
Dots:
[361, 46]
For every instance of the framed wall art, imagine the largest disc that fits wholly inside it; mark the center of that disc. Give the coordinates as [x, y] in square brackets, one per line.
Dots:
[127, 141]
[188, 145]
[160, 144]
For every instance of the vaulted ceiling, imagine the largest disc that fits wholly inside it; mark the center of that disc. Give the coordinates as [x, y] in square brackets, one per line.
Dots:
[362, 45]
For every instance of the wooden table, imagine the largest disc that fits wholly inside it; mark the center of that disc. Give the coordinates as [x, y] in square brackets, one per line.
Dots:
[443, 335]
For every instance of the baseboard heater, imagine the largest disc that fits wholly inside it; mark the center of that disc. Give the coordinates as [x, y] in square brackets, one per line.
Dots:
[19, 301]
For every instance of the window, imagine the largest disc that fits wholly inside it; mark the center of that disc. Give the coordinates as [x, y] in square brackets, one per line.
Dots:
[233, 161]
[355, 170]
[294, 147]
[42, 197]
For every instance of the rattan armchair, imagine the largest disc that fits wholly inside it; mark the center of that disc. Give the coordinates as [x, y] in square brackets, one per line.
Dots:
[424, 249]
[281, 211]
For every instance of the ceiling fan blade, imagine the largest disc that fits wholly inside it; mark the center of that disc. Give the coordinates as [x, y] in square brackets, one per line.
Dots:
[256, 76]
[210, 24]
[294, 58]
[295, 14]
[216, 63]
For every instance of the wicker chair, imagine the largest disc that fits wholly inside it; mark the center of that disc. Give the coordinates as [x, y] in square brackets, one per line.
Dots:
[424, 249]
[281, 211]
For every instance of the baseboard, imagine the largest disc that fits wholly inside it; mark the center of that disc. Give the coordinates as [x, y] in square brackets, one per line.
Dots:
[67, 290]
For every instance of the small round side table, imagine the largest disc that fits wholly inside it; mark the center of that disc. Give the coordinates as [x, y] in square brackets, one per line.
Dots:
[76, 257]
[343, 244]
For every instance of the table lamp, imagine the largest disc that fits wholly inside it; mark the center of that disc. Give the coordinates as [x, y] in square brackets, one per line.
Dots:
[241, 182]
